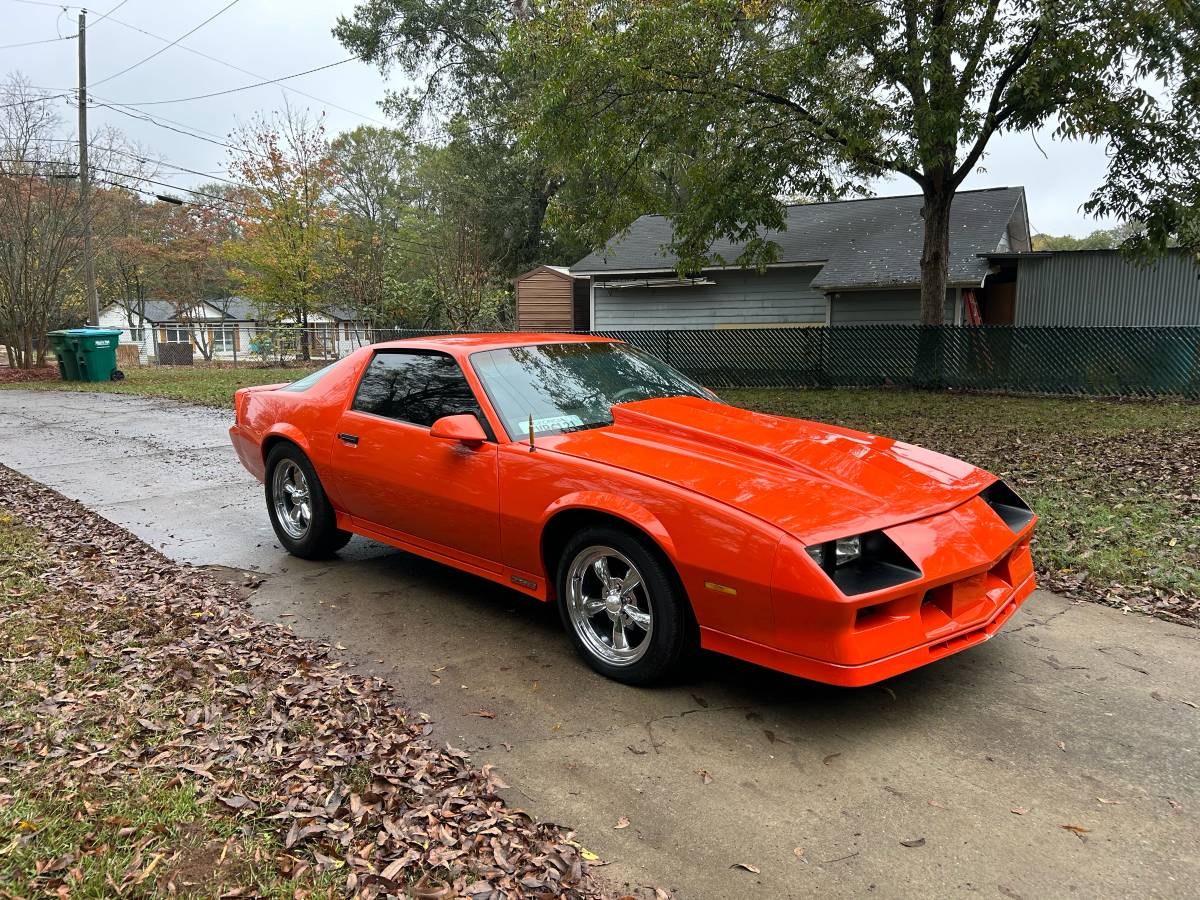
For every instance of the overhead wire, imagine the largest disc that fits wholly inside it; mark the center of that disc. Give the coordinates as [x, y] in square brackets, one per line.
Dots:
[244, 71]
[161, 50]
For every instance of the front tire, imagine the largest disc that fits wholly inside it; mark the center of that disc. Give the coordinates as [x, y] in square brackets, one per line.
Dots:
[301, 514]
[622, 605]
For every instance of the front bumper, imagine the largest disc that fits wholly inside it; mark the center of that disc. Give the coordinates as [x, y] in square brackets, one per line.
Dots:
[975, 572]
[862, 674]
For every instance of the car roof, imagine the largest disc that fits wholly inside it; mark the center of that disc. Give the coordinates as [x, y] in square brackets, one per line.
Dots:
[496, 341]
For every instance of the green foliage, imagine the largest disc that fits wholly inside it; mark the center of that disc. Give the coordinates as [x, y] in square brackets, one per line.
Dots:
[284, 258]
[712, 110]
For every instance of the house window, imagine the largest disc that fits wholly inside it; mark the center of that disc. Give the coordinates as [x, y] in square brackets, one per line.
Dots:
[137, 335]
[178, 334]
[222, 338]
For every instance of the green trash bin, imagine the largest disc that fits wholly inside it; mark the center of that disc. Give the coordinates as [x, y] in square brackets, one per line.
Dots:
[64, 352]
[95, 353]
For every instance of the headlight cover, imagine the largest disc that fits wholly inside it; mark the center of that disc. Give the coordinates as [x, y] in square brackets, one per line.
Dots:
[1007, 505]
[863, 563]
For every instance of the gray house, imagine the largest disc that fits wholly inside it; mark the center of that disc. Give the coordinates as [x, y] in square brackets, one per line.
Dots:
[854, 261]
[858, 262]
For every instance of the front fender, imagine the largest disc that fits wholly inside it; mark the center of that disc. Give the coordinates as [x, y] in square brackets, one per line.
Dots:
[612, 504]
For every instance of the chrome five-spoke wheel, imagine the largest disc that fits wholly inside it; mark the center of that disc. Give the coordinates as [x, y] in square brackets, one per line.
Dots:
[293, 504]
[609, 605]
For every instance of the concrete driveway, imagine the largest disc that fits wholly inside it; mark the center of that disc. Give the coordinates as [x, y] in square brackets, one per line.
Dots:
[954, 779]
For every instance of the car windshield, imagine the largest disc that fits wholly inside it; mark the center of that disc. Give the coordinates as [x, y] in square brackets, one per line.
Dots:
[571, 386]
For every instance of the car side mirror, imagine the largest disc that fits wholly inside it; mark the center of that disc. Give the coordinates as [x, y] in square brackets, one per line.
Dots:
[464, 428]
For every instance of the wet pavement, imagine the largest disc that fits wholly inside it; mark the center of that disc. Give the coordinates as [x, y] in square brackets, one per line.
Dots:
[950, 780]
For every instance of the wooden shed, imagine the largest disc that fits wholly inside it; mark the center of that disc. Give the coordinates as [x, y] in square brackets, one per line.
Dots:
[550, 298]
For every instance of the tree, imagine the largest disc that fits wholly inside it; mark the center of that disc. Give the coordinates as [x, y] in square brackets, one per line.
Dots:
[452, 54]
[373, 188]
[743, 102]
[1101, 239]
[40, 225]
[284, 259]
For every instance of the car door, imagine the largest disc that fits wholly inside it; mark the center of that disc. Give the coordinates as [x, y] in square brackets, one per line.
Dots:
[392, 476]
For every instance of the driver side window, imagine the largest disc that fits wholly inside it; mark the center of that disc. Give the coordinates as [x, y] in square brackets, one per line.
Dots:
[415, 386]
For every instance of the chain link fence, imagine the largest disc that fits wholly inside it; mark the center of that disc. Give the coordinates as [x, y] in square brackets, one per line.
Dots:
[1084, 361]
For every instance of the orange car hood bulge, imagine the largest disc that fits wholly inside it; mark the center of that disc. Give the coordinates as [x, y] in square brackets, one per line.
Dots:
[815, 481]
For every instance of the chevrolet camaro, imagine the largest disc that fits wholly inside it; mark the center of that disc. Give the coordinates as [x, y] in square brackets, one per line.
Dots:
[586, 473]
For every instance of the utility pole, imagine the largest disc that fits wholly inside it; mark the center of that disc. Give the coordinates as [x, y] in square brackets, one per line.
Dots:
[89, 263]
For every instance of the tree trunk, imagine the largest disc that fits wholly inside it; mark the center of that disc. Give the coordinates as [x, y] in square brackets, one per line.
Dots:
[935, 254]
[935, 259]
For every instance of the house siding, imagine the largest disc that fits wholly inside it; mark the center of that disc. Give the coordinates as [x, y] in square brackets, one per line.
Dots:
[1106, 288]
[894, 307]
[774, 297]
[545, 301]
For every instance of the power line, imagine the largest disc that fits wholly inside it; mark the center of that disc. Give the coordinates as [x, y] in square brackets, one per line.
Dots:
[61, 37]
[238, 68]
[109, 13]
[51, 5]
[43, 99]
[245, 87]
[53, 40]
[161, 50]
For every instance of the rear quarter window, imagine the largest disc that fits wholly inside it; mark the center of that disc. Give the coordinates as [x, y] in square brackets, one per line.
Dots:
[303, 384]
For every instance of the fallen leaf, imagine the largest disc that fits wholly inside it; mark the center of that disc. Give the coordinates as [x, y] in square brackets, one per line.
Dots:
[831, 757]
[1077, 829]
[936, 805]
[913, 842]
[798, 852]
[622, 822]
[1062, 745]
[1019, 810]
[747, 866]
[704, 776]
[482, 713]
[1109, 802]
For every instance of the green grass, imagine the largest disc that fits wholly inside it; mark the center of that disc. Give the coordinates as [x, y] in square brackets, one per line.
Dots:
[206, 385]
[1116, 484]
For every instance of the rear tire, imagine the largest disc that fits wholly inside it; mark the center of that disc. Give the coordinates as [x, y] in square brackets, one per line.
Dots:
[623, 606]
[301, 514]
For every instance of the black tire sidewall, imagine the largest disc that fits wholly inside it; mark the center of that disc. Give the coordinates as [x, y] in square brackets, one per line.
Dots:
[324, 537]
[669, 605]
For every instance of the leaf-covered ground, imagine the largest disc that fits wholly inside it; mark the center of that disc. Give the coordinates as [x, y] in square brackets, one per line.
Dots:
[156, 739]
[1116, 484]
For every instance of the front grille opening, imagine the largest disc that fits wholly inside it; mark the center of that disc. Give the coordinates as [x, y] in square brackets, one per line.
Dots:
[877, 614]
[1008, 506]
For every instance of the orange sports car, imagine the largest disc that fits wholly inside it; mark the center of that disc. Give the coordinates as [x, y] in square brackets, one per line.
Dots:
[584, 472]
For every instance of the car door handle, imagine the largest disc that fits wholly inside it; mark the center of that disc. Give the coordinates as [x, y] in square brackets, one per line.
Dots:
[349, 438]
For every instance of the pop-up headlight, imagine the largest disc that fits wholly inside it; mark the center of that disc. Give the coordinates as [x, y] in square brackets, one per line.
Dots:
[863, 563]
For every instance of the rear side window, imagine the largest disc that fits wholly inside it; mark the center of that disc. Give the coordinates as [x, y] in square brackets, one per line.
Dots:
[416, 386]
[308, 380]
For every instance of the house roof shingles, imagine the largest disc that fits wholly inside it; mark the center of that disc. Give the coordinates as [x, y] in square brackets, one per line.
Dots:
[874, 242]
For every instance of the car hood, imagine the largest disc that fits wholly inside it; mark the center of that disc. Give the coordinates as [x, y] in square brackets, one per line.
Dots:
[815, 481]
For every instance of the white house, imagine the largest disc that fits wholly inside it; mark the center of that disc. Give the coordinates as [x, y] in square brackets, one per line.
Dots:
[231, 328]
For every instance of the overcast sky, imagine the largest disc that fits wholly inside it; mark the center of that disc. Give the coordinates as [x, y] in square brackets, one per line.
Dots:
[277, 37]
